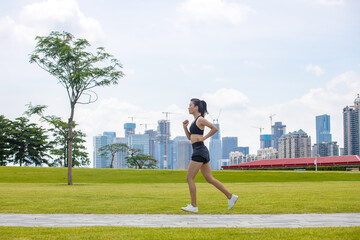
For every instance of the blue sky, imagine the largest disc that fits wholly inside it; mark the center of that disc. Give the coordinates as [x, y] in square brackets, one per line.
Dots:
[296, 59]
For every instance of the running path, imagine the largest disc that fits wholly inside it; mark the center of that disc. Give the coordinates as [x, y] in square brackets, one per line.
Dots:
[183, 220]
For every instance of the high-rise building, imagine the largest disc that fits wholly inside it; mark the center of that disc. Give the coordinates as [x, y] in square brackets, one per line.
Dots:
[244, 150]
[217, 135]
[215, 149]
[267, 153]
[162, 143]
[325, 149]
[120, 161]
[277, 130]
[228, 145]
[352, 128]
[236, 158]
[295, 145]
[100, 161]
[323, 129]
[129, 129]
[171, 156]
[175, 160]
[265, 141]
[111, 134]
[152, 138]
[140, 141]
[182, 152]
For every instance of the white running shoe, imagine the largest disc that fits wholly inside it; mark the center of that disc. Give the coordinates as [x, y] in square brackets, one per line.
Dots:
[190, 208]
[232, 201]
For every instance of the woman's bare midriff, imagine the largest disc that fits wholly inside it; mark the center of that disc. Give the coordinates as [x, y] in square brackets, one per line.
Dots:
[195, 138]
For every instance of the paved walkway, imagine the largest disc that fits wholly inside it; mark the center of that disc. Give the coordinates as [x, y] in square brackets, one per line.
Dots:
[184, 220]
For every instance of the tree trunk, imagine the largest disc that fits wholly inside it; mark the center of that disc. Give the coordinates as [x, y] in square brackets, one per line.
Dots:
[112, 161]
[70, 142]
[65, 153]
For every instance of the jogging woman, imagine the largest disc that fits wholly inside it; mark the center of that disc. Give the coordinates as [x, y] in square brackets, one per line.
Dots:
[200, 157]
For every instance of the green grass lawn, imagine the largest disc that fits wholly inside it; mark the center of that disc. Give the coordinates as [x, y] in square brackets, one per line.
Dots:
[110, 198]
[90, 175]
[180, 233]
[117, 191]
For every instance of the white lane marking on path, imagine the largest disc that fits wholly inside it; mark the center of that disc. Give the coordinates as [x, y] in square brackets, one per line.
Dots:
[183, 220]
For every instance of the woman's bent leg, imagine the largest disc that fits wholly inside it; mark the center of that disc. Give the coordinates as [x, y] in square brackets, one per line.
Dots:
[193, 169]
[206, 172]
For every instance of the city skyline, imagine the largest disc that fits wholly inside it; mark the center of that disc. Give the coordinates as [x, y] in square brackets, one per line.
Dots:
[295, 144]
[247, 60]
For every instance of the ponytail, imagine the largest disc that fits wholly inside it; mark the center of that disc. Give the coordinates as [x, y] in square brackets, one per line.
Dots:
[202, 106]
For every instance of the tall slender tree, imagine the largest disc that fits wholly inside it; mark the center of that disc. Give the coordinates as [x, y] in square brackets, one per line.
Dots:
[77, 70]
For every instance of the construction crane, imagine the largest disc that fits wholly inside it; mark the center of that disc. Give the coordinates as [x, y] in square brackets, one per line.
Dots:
[132, 119]
[167, 114]
[260, 128]
[271, 117]
[146, 124]
[132, 122]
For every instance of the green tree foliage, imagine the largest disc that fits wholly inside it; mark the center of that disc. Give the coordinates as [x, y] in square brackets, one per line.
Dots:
[28, 143]
[60, 134]
[77, 70]
[111, 149]
[5, 125]
[136, 159]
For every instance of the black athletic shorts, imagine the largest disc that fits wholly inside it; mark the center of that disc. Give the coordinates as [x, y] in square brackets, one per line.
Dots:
[200, 153]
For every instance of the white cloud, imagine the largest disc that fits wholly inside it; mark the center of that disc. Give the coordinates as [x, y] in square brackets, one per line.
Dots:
[214, 10]
[42, 17]
[50, 10]
[226, 98]
[331, 2]
[318, 71]
[21, 33]
[344, 82]
[107, 114]
[297, 114]
[340, 92]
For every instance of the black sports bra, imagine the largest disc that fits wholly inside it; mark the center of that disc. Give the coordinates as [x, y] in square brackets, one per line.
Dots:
[194, 129]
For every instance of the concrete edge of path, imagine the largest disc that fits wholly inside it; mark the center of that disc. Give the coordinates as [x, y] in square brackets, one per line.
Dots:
[183, 220]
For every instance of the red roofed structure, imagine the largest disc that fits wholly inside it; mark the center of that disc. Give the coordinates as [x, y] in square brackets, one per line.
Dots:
[298, 162]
